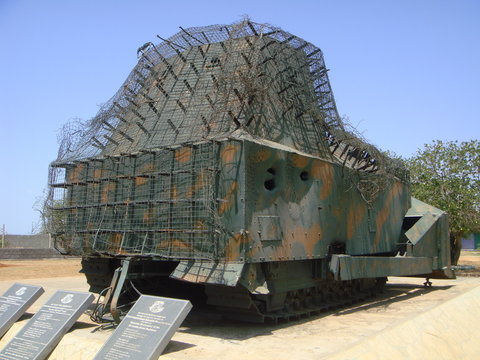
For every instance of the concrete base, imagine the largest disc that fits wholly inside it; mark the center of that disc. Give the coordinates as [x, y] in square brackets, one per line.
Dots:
[448, 331]
[407, 322]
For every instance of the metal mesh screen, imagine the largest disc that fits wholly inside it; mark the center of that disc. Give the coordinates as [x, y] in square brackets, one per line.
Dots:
[159, 202]
[117, 184]
[208, 82]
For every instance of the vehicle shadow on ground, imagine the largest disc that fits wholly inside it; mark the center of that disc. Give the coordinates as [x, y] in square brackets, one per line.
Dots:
[393, 293]
[213, 325]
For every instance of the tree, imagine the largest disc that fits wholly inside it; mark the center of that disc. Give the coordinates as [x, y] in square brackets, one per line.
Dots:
[447, 175]
[53, 219]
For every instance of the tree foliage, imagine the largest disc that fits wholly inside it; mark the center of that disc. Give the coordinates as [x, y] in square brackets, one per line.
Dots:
[447, 175]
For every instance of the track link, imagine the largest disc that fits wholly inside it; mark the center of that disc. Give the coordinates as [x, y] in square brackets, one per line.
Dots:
[307, 302]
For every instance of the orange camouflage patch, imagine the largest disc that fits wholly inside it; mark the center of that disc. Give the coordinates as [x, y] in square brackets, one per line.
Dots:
[173, 244]
[148, 216]
[183, 155]
[323, 171]
[147, 168]
[262, 155]
[114, 241]
[232, 250]
[384, 214]
[300, 161]
[200, 225]
[97, 173]
[140, 180]
[195, 278]
[174, 192]
[200, 182]
[76, 172]
[110, 187]
[228, 199]
[229, 152]
[355, 216]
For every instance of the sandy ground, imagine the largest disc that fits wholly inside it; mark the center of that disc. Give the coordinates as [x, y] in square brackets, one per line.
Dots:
[44, 268]
[203, 337]
[469, 258]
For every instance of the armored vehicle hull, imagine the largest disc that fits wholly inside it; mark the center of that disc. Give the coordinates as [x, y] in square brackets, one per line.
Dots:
[221, 172]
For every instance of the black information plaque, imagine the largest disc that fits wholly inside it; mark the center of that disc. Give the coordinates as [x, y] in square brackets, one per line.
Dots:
[146, 330]
[46, 328]
[14, 302]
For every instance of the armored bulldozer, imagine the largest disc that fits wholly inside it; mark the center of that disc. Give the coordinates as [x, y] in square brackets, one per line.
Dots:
[221, 172]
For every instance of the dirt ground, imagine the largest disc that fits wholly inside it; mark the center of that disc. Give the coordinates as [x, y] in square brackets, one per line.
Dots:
[471, 258]
[42, 268]
[391, 315]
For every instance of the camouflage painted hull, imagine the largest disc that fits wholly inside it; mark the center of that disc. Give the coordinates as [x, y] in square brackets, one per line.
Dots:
[221, 171]
[290, 237]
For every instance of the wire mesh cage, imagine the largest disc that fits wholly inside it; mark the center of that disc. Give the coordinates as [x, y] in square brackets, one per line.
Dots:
[141, 176]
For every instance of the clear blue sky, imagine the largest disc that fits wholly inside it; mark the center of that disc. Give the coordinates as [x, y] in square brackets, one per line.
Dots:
[404, 72]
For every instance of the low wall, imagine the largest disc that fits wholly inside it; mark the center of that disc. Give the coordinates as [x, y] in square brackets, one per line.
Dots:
[39, 241]
[28, 253]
